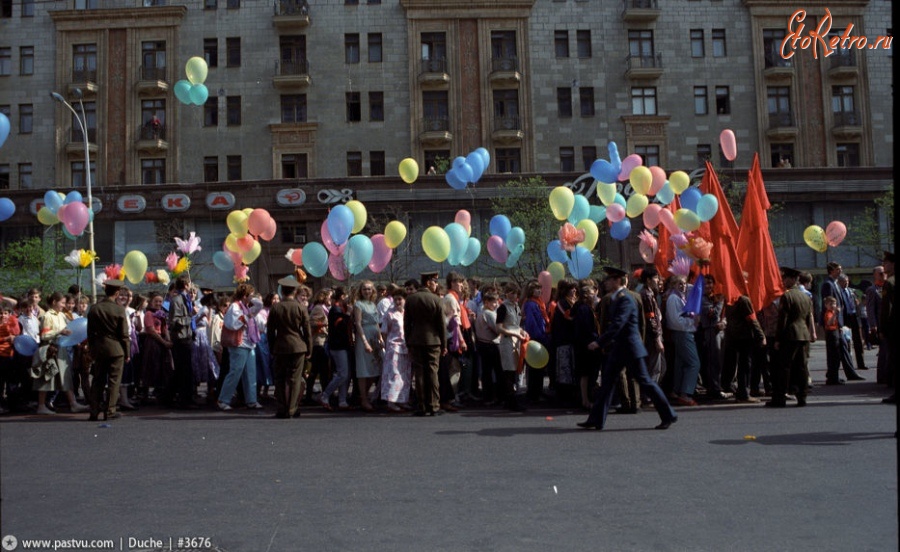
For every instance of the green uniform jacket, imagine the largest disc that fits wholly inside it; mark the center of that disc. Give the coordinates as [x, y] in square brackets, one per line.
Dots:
[793, 311]
[288, 329]
[107, 330]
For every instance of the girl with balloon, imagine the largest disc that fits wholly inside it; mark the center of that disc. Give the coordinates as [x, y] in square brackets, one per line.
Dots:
[53, 327]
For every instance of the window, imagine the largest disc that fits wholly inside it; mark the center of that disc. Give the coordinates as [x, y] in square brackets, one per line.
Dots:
[723, 161]
[211, 51]
[354, 107]
[5, 8]
[701, 102]
[376, 163]
[782, 155]
[351, 2]
[435, 108]
[90, 123]
[354, 163]
[233, 51]
[233, 110]
[294, 165]
[293, 233]
[25, 176]
[149, 110]
[650, 155]
[210, 169]
[434, 46]
[293, 108]
[583, 40]
[78, 176]
[86, 4]
[718, 43]
[233, 4]
[643, 101]
[697, 48]
[153, 59]
[233, 166]
[772, 39]
[4, 177]
[509, 160]
[723, 100]
[373, 2]
[503, 45]
[27, 8]
[432, 157]
[561, 43]
[640, 44]
[5, 61]
[351, 48]
[779, 103]
[376, 106]
[586, 95]
[506, 109]
[153, 171]
[566, 159]
[293, 55]
[704, 153]
[84, 63]
[210, 4]
[564, 102]
[26, 118]
[211, 112]
[375, 47]
[843, 105]
[848, 155]
[26, 60]
[588, 156]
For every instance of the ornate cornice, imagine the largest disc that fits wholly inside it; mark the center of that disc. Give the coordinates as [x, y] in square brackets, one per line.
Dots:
[155, 16]
[466, 9]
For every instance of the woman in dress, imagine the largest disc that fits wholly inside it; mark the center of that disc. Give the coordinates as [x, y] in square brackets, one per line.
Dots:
[340, 339]
[395, 378]
[319, 366]
[563, 338]
[509, 317]
[536, 322]
[124, 298]
[241, 316]
[587, 365]
[53, 327]
[156, 347]
[369, 343]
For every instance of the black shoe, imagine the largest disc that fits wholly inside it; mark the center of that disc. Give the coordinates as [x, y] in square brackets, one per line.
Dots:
[834, 382]
[890, 400]
[94, 417]
[281, 416]
[295, 414]
[801, 401]
[420, 413]
[856, 377]
[187, 406]
[776, 404]
[667, 424]
[588, 425]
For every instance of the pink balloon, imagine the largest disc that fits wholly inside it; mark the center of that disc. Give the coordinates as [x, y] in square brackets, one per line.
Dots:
[61, 213]
[464, 219]
[497, 249]
[615, 212]
[336, 266]
[269, 232]
[628, 164]
[258, 221]
[326, 239]
[546, 281]
[235, 256]
[835, 233]
[668, 220]
[651, 215]
[659, 180]
[297, 257]
[76, 217]
[246, 243]
[728, 143]
[381, 254]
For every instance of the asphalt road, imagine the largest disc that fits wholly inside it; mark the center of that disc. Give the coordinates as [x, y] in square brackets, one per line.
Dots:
[725, 477]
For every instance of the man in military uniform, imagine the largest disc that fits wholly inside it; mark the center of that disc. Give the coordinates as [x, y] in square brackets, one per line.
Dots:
[794, 312]
[887, 328]
[290, 340]
[426, 339]
[109, 341]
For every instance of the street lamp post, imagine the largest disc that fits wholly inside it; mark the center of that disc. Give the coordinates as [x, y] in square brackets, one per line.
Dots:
[82, 122]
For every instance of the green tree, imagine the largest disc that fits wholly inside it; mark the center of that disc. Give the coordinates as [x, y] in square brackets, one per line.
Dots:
[867, 232]
[35, 262]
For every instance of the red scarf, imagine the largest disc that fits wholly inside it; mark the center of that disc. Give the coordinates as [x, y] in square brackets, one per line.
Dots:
[540, 303]
[464, 321]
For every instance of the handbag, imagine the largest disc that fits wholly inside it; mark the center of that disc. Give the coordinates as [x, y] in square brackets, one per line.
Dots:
[565, 364]
[232, 338]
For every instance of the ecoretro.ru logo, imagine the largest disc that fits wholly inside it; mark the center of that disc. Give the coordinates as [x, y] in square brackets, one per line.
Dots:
[818, 38]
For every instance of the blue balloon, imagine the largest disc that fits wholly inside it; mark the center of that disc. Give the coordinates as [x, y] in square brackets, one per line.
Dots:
[459, 242]
[25, 345]
[620, 230]
[500, 226]
[597, 213]
[614, 158]
[7, 208]
[52, 201]
[473, 250]
[4, 128]
[73, 197]
[475, 161]
[582, 263]
[78, 327]
[707, 207]
[222, 261]
[666, 194]
[183, 91]
[67, 234]
[620, 199]
[581, 210]
[358, 253]
[459, 161]
[199, 94]
[465, 172]
[315, 259]
[556, 252]
[690, 198]
[340, 223]
[485, 157]
[514, 255]
[455, 180]
[604, 171]
[514, 238]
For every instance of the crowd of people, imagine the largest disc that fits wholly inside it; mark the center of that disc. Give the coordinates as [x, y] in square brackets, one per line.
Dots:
[432, 346]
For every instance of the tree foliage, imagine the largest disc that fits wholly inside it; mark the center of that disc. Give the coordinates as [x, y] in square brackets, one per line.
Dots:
[867, 231]
[34, 262]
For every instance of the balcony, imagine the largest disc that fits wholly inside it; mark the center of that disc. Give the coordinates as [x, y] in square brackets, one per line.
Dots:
[84, 80]
[507, 130]
[644, 67]
[152, 140]
[292, 75]
[152, 81]
[843, 65]
[847, 124]
[435, 131]
[434, 73]
[781, 126]
[75, 145]
[777, 69]
[505, 71]
[291, 15]
[640, 11]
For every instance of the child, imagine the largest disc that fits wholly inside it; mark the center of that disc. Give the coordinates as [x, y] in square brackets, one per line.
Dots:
[488, 341]
[836, 350]
[509, 318]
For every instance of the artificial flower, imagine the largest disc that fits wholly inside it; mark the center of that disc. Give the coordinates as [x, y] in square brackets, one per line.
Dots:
[171, 261]
[648, 246]
[114, 271]
[182, 265]
[680, 240]
[698, 249]
[86, 257]
[569, 236]
[101, 279]
[300, 274]
[151, 278]
[680, 266]
[73, 258]
[289, 254]
[162, 276]
[190, 245]
[240, 273]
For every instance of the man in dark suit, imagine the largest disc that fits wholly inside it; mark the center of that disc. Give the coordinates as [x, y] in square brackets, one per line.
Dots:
[831, 288]
[109, 341]
[791, 335]
[290, 341]
[426, 339]
[887, 324]
[851, 319]
[625, 347]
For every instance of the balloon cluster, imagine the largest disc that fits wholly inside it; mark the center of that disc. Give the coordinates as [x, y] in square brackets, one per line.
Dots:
[192, 91]
[453, 243]
[242, 246]
[68, 209]
[507, 242]
[468, 169]
[7, 208]
[820, 239]
[578, 234]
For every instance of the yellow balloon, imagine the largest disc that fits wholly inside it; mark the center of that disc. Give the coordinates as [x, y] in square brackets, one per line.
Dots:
[814, 236]
[252, 254]
[536, 355]
[436, 243]
[394, 233]
[557, 272]
[359, 215]
[247, 211]
[606, 192]
[679, 181]
[687, 220]
[196, 70]
[591, 233]
[636, 204]
[135, 265]
[46, 217]
[641, 178]
[409, 170]
[231, 243]
[562, 200]
[238, 223]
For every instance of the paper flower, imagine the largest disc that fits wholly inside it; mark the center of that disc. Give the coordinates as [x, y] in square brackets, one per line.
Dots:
[171, 261]
[73, 258]
[190, 245]
[680, 240]
[289, 254]
[680, 266]
[114, 271]
[698, 249]
[86, 257]
[300, 274]
[569, 236]
[648, 247]
[182, 265]
[101, 279]
[162, 276]
[240, 273]
[151, 278]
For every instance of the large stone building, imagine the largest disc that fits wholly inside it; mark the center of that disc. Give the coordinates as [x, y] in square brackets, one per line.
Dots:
[311, 103]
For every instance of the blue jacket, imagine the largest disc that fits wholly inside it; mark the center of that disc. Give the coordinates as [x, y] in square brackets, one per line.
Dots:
[622, 337]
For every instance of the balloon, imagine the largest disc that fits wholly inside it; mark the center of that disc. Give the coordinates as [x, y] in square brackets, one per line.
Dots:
[814, 236]
[666, 194]
[459, 240]
[394, 233]
[238, 223]
[641, 179]
[835, 233]
[591, 233]
[25, 344]
[436, 243]
[251, 254]
[475, 161]
[500, 226]
[620, 199]
[196, 70]
[4, 128]
[296, 256]
[258, 221]
[707, 207]
[658, 181]
[464, 219]
[667, 218]
[604, 171]
[340, 223]
[247, 211]
[614, 159]
[581, 210]
[679, 181]
[606, 193]
[336, 266]
[536, 355]
[78, 327]
[581, 264]
[485, 157]
[620, 230]
[7, 208]
[183, 91]
[515, 238]
[690, 198]
[455, 179]
[135, 265]
[245, 244]
[315, 259]
[381, 254]
[546, 281]
[235, 257]
[52, 201]
[222, 261]
[651, 215]
[465, 172]
[358, 253]
[77, 219]
[729, 144]
[326, 238]
[199, 94]
[409, 170]
[562, 200]
[556, 252]
[73, 197]
[231, 243]
[629, 164]
[359, 215]
[597, 213]
[636, 205]
[687, 220]
[68, 235]
[497, 249]
[270, 230]
[615, 212]
[473, 250]
[514, 256]
[557, 272]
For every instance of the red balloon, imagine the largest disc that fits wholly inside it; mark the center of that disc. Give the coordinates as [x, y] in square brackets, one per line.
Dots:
[729, 144]
[258, 221]
[297, 257]
[246, 243]
[835, 233]
[269, 232]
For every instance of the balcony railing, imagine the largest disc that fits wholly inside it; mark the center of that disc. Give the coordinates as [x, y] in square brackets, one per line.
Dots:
[434, 65]
[84, 75]
[843, 58]
[292, 7]
[641, 5]
[435, 124]
[148, 132]
[508, 122]
[77, 137]
[781, 120]
[653, 61]
[504, 64]
[847, 118]
[773, 59]
[153, 73]
[293, 67]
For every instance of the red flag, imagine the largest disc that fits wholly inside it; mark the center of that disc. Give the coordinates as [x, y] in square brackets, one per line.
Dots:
[722, 231]
[754, 244]
[666, 252]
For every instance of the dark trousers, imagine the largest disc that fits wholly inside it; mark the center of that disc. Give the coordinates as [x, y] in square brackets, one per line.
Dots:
[489, 355]
[790, 372]
[448, 367]
[837, 355]
[318, 368]
[425, 360]
[763, 359]
[107, 372]
[637, 369]
[852, 322]
[288, 372]
[182, 384]
[738, 356]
